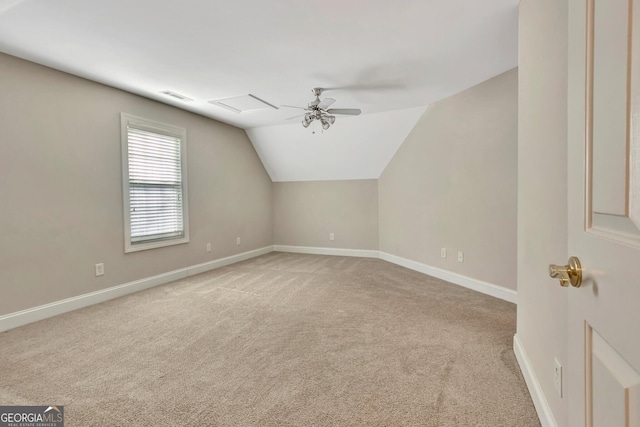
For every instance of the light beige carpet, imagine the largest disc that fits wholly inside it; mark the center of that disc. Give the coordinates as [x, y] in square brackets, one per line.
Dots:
[279, 340]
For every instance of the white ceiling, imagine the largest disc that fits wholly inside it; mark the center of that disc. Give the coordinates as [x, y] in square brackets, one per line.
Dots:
[377, 55]
[353, 148]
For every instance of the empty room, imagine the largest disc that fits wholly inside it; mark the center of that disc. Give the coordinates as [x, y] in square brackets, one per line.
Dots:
[356, 213]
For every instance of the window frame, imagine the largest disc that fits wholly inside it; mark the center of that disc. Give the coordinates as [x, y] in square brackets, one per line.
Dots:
[149, 125]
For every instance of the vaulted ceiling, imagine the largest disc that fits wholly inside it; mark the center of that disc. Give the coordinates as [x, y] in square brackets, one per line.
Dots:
[390, 59]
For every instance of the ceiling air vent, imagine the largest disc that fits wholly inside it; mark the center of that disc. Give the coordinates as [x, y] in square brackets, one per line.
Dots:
[176, 95]
[243, 104]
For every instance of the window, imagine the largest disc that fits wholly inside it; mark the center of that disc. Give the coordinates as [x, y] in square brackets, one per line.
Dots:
[154, 176]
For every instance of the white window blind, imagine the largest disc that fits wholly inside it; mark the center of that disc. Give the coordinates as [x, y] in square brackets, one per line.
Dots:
[155, 186]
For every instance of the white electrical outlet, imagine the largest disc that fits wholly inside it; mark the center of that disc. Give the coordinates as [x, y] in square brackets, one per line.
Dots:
[331, 236]
[208, 247]
[557, 376]
[99, 269]
[443, 253]
[238, 241]
[460, 256]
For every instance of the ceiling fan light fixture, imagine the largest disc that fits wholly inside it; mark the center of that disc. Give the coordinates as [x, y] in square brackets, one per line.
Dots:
[318, 110]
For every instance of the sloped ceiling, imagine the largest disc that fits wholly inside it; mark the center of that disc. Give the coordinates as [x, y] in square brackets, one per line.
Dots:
[354, 148]
[390, 59]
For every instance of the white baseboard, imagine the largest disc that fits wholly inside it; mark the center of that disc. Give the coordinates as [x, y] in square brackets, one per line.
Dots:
[455, 278]
[364, 253]
[13, 320]
[19, 318]
[539, 400]
[458, 279]
[221, 262]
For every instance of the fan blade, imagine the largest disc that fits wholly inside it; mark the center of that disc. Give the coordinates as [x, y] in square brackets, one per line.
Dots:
[293, 106]
[325, 103]
[295, 117]
[348, 111]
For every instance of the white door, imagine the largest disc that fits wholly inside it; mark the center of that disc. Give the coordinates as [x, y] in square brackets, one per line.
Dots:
[603, 381]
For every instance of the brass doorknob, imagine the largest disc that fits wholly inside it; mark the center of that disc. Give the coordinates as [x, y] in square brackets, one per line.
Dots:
[570, 273]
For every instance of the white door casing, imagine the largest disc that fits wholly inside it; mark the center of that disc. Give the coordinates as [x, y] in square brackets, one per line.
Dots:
[603, 382]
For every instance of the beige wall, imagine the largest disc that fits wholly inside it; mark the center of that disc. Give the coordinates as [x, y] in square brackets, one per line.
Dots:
[62, 198]
[304, 213]
[61, 188]
[542, 189]
[453, 184]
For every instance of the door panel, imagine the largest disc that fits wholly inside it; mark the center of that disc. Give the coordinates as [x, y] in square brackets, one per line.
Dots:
[609, 33]
[613, 386]
[612, 105]
[603, 185]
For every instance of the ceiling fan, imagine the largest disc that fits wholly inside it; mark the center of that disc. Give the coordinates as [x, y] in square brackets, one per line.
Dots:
[319, 110]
